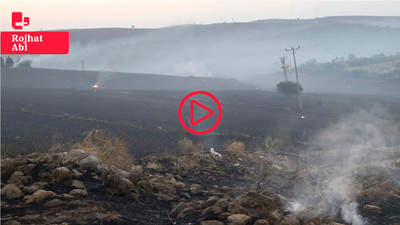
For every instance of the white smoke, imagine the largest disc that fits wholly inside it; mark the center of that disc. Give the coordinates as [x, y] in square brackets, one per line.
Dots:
[191, 68]
[348, 145]
[103, 77]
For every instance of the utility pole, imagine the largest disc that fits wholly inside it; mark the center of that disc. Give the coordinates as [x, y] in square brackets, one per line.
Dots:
[83, 68]
[297, 76]
[284, 67]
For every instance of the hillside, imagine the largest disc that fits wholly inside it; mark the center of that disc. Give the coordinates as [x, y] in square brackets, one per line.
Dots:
[71, 79]
[377, 75]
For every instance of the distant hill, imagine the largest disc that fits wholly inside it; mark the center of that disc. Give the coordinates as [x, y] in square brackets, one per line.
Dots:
[229, 50]
[71, 79]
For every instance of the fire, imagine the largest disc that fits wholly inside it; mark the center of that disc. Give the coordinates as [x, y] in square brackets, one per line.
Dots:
[302, 117]
[95, 86]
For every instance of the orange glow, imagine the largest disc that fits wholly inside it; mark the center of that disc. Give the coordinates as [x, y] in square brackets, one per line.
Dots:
[95, 86]
[302, 116]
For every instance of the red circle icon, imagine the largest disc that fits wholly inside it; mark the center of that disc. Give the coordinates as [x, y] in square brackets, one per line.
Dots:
[196, 122]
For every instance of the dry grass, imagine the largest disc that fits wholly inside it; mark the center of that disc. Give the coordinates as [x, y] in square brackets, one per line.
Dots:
[187, 146]
[108, 148]
[235, 147]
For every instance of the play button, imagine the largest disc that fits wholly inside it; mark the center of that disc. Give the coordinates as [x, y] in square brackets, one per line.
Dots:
[199, 113]
[195, 122]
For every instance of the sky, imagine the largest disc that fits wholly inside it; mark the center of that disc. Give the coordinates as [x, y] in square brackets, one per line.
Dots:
[76, 14]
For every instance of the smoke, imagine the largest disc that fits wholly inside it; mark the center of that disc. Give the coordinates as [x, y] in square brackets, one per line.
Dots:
[348, 146]
[191, 68]
[103, 77]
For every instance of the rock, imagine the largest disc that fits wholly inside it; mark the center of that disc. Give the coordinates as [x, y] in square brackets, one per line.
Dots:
[164, 188]
[313, 221]
[238, 219]
[115, 184]
[290, 221]
[61, 175]
[12, 222]
[134, 196]
[223, 203]
[76, 173]
[38, 196]
[16, 178]
[73, 157]
[211, 212]
[78, 192]
[187, 215]
[333, 223]
[211, 222]
[211, 201]
[178, 208]
[196, 204]
[225, 189]
[67, 196]
[11, 191]
[53, 203]
[90, 162]
[27, 169]
[78, 184]
[373, 209]
[146, 185]
[8, 166]
[224, 216]
[261, 222]
[35, 187]
[234, 208]
[195, 188]
[276, 216]
[258, 205]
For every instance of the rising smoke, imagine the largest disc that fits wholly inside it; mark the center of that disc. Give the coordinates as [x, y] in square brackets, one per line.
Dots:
[330, 189]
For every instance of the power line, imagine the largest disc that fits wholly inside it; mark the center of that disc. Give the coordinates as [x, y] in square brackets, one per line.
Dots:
[284, 67]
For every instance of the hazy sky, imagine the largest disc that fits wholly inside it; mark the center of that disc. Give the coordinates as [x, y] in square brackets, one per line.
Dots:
[67, 14]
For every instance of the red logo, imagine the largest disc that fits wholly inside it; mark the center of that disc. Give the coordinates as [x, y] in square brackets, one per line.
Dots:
[194, 122]
[16, 19]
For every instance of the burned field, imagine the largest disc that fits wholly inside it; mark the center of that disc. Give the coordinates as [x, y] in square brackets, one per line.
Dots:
[35, 119]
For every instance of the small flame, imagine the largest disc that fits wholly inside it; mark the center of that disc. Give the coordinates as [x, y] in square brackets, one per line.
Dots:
[302, 116]
[95, 86]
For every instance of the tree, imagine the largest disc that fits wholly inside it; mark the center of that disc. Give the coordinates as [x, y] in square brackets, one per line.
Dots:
[2, 62]
[9, 62]
[351, 57]
[288, 87]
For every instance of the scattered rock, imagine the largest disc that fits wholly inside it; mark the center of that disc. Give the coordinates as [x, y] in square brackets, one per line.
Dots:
[53, 203]
[134, 196]
[258, 205]
[211, 222]
[12, 222]
[19, 179]
[61, 175]
[234, 208]
[276, 216]
[67, 196]
[195, 188]
[11, 191]
[78, 192]
[38, 196]
[290, 221]
[74, 156]
[27, 169]
[261, 222]
[238, 219]
[224, 216]
[115, 184]
[8, 166]
[223, 203]
[211, 201]
[146, 185]
[313, 221]
[211, 212]
[78, 184]
[373, 209]
[90, 162]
